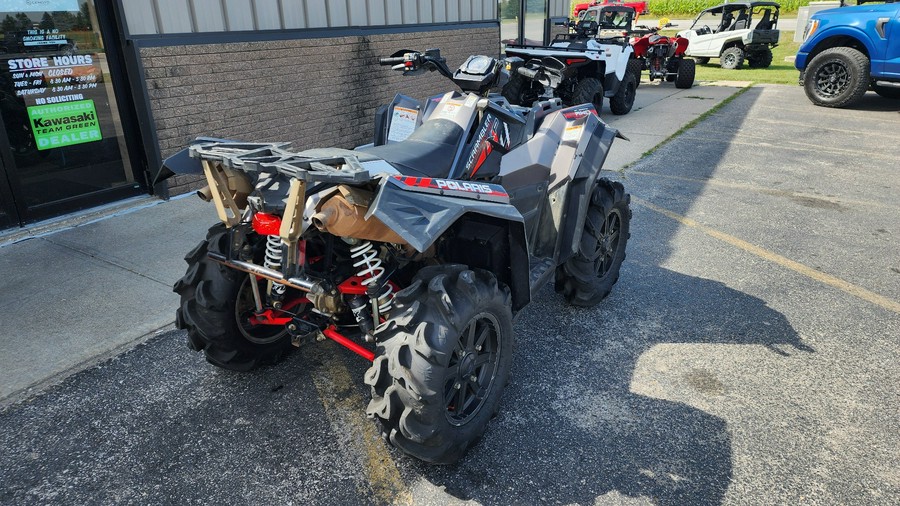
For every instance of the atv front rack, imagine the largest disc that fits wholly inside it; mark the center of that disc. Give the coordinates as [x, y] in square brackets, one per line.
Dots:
[275, 157]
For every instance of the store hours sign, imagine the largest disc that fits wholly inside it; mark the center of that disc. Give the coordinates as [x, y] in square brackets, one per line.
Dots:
[58, 91]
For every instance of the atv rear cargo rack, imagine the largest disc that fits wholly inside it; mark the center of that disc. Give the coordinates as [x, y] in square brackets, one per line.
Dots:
[275, 157]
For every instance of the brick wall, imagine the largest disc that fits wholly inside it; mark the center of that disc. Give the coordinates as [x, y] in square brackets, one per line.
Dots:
[311, 92]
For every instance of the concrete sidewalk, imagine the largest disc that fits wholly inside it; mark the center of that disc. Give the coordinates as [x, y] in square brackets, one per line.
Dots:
[73, 297]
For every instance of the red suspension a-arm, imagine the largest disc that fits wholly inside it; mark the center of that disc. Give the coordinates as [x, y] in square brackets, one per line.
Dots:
[336, 336]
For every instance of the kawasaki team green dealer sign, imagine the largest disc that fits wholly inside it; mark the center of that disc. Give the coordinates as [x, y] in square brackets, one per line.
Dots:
[65, 124]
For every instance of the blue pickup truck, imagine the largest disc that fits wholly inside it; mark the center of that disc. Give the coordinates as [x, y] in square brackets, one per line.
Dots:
[848, 51]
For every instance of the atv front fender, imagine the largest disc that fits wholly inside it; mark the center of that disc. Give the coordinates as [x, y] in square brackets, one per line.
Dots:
[596, 148]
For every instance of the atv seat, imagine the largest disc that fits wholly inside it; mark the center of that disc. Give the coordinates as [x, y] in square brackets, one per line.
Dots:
[428, 152]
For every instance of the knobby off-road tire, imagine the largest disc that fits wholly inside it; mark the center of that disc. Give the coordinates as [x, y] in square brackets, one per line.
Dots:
[588, 277]
[215, 303]
[636, 67]
[588, 91]
[622, 102]
[760, 59]
[518, 90]
[836, 77]
[686, 71]
[452, 327]
[886, 91]
[732, 58]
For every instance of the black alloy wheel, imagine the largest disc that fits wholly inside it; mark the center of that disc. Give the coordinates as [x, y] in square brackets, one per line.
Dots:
[473, 369]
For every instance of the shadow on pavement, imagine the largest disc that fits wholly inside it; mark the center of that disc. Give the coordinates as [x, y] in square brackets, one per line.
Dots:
[572, 428]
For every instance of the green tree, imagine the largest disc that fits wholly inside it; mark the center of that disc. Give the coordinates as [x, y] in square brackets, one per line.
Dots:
[64, 20]
[23, 21]
[509, 9]
[9, 24]
[47, 22]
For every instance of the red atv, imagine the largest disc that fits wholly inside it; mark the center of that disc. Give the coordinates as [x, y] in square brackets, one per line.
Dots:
[663, 56]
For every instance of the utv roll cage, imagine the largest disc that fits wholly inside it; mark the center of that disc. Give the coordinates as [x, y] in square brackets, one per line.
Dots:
[739, 16]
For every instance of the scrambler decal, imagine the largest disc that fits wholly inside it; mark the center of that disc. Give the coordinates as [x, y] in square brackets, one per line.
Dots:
[493, 129]
[452, 188]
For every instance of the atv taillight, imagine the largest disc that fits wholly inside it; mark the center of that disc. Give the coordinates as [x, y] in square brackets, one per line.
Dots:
[266, 224]
[570, 61]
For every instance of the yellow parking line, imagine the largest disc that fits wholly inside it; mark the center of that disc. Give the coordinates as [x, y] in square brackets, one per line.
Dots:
[765, 254]
[345, 410]
[762, 189]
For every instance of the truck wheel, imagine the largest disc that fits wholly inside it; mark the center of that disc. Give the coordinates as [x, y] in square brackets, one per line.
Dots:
[686, 71]
[635, 66]
[702, 60]
[521, 91]
[732, 58]
[588, 277]
[216, 303]
[886, 91]
[837, 77]
[622, 102]
[760, 59]
[588, 91]
[442, 362]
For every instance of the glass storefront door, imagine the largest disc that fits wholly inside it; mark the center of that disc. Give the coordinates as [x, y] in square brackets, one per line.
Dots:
[61, 136]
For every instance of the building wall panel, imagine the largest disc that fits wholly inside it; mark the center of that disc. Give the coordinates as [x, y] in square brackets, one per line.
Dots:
[242, 91]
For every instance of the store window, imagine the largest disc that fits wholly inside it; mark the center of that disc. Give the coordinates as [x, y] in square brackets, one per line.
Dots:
[62, 143]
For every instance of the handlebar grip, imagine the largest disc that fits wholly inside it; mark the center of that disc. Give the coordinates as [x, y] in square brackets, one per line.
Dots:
[391, 60]
[529, 73]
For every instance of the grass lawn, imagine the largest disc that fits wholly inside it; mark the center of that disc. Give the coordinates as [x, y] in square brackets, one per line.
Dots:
[780, 72]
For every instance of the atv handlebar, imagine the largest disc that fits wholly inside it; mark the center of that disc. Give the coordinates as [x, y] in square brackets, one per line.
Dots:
[391, 60]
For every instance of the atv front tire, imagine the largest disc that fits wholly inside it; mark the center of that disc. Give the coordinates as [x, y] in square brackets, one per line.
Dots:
[635, 66]
[442, 362]
[216, 303]
[732, 58]
[686, 71]
[588, 277]
[588, 91]
[622, 102]
[837, 77]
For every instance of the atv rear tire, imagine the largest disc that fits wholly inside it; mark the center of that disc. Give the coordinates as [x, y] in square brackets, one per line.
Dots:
[686, 71]
[442, 362]
[622, 102]
[521, 91]
[732, 58]
[214, 309]
[836, 77]
[588, 277]
[588, 91]
[760, 59]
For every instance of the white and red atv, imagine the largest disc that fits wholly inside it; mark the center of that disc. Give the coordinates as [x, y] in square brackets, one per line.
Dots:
[598, 62]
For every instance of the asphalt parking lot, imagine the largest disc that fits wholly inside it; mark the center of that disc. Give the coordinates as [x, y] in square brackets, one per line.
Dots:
[748, 355]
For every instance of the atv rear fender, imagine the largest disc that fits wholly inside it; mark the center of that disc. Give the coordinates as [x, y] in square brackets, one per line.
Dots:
[481, 222]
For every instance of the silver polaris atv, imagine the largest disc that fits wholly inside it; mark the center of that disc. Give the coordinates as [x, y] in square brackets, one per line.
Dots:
[414, 252]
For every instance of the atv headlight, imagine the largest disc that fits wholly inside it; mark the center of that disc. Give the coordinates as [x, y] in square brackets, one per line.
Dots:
[810, 29]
